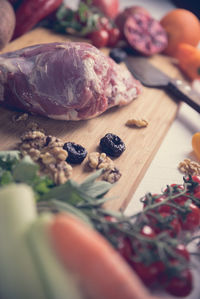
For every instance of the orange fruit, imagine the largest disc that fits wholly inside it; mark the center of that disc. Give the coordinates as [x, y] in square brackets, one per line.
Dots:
[182, 26]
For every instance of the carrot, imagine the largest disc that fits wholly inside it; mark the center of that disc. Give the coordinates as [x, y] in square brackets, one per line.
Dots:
[101, 271]
[189, 60]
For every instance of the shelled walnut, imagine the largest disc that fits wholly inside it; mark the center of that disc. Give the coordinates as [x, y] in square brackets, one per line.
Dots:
[189, 167]
[48, 152]
[140, 123]
[98, 160]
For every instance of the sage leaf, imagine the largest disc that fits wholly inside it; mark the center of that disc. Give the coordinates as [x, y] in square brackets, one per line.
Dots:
[25, 171]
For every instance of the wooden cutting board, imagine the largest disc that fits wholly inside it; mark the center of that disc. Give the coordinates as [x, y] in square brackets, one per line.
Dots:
[141, 144]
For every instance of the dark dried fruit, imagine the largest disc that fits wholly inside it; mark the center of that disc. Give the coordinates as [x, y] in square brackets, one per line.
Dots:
[145, 34]
[118, 55]
[76, 152]
[112, 145]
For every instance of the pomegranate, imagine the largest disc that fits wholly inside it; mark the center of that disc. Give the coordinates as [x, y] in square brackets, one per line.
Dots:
[145, 34]
[128, 11]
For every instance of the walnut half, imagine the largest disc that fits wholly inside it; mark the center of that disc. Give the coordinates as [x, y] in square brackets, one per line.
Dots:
[99, 161]
[140, 123]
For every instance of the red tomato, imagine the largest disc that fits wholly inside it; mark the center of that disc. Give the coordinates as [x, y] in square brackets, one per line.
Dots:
[197, 195]
[110, 8]
[110, 218]
[191, 220]
[182, 250]
[114, 37]
[196, 201]
[180, 286]
[159, 199]
[163, 208]
[105, 23]
[125, 248]
[197, 180]
[171, 226]
[148, 231]
[99, 38]
[148, 273]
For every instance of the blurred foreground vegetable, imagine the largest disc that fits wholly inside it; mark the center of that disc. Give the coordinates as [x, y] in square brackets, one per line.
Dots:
[189, 60]
[52, 256]
[153, 242]
[31, 12]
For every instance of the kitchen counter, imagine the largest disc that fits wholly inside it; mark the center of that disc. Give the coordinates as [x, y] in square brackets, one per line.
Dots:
[176, 145]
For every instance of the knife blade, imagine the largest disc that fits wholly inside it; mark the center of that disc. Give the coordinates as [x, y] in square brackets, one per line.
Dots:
[152, 77]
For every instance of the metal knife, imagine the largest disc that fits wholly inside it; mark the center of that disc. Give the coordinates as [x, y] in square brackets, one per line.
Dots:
[151, 76]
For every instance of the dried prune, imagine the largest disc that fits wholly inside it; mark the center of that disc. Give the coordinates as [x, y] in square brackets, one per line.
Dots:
[118, 55]
[76, 152]
[112, 145]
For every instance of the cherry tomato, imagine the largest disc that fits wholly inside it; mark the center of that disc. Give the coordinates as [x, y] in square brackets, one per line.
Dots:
[159, 199]
[125, 248]
[114, 37]
[191, 220]
[105, 23]
[166, 224]
[196, 179]
[181, 285]
[182, 250]
[163, 208]
[110, 218]
[180, 199]
[147, 231]
[99, 38]
[197, 195]
[148, 273]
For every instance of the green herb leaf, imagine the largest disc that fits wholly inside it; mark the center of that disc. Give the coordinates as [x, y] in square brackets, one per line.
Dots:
[95, 188]
[25, 171]
[8, 159]
[65, 192]
[6, 178]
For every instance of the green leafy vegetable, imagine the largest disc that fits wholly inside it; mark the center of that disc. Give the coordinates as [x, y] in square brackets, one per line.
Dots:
[8, 159]
[25, 170]
[13, 168]
[89, 193]
[79, 22]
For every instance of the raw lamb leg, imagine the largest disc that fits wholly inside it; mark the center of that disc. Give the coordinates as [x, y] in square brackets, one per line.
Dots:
[67, 81]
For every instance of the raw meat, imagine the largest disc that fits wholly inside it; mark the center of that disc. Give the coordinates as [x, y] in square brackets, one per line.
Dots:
[67, 81]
